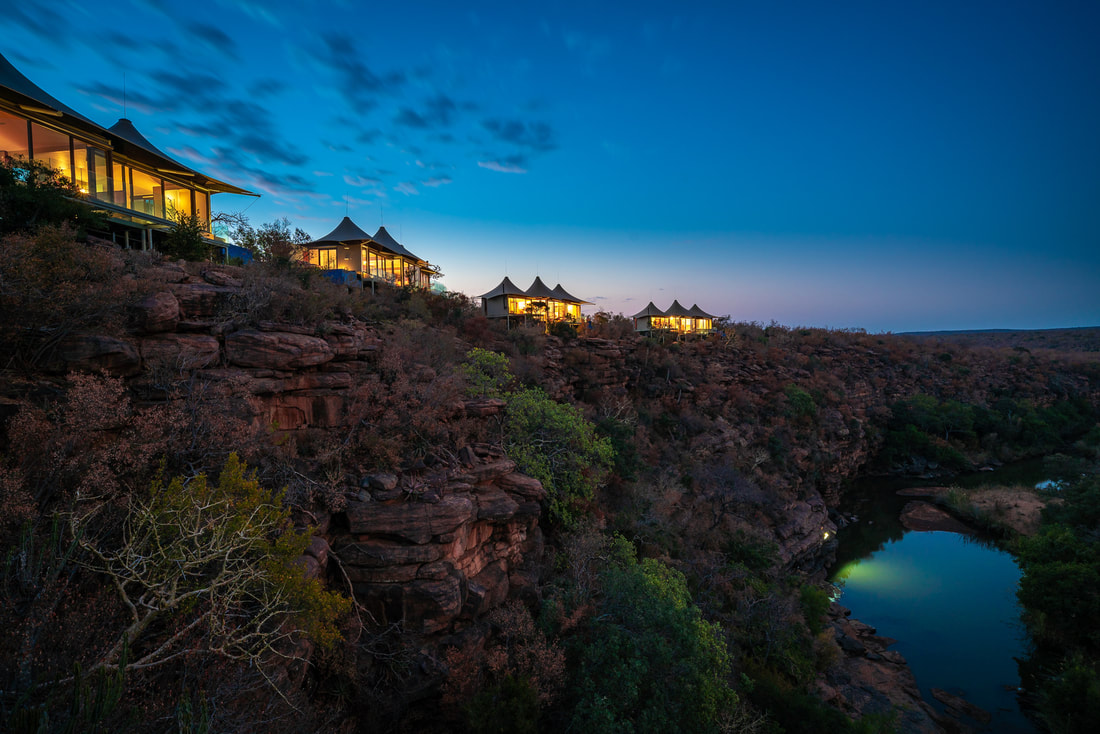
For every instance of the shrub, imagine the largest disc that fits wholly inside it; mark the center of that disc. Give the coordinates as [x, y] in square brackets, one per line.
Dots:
[184, 240]
[554, 443]
[32, 195]
[650, 662]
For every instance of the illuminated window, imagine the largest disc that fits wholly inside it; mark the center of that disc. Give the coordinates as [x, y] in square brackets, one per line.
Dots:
[147, 195]
[326, 259]
[80, 166]
[202, 209]
[52, 148]
[99, 185]
[177, 200]
[121, 176]
[13, 136]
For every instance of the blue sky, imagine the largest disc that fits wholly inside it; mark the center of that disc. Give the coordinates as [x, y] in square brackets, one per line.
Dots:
[891, 166]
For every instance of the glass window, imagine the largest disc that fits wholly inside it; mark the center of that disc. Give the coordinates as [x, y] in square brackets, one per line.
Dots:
[122, 183]
[52, 148]
[80, 165]
[202, 209]
[99, 183]
[147, 195]
[326, 259]
[13, 136]
[177, 200]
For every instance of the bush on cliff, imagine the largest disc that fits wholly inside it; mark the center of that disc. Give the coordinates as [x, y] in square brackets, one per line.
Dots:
[648, 662]
[192, 574]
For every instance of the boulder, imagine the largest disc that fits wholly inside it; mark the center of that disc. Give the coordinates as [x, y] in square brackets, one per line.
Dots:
[494, 504]
[202, 300]
[157, 312]
[416, 522]
[275, 350]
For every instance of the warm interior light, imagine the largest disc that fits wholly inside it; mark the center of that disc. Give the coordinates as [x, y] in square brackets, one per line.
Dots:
[826, 535]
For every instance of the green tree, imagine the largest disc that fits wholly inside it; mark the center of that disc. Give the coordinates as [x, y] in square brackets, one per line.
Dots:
[649, 662]
[553, 442]
[273, 242]
[185, 240]
[548, 440]
[33, 194]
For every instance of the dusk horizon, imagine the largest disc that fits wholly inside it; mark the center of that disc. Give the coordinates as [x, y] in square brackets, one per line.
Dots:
[887, 169]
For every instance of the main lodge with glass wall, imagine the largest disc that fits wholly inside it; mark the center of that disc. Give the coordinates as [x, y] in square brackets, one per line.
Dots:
[141, 189]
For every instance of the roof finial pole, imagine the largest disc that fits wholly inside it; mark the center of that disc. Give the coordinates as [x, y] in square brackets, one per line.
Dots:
[345, 203]
[124, 95]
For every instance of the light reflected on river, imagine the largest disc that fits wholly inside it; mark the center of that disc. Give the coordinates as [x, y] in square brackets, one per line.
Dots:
[950, 602]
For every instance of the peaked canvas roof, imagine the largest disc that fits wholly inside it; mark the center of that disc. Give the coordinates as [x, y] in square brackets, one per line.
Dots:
[563, 295]
[649, 310]
[385, 239]
[506, 288]
[14, 80]
[677, 310]
[126, 137]
[698, 312]
[538, 289]
[346, 231]
[121, 136]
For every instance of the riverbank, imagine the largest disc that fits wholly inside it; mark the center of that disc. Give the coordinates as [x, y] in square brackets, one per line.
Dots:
[1008, 511]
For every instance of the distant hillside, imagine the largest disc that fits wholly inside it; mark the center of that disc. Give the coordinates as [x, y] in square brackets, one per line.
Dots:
[1078, 340]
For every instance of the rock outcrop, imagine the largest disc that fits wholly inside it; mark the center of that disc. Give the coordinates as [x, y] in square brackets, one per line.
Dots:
[426, 551]
[870, 678]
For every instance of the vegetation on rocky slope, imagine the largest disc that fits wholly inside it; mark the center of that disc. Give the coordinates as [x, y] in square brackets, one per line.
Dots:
[687, 511]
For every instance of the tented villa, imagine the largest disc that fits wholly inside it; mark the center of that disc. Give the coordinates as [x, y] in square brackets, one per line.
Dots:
[539, 303]
[675, 319]
[377, 258]
[141, 189]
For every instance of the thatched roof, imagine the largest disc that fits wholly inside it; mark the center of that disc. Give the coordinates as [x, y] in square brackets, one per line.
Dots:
[563, 295]
[506, 288]
[649, 310]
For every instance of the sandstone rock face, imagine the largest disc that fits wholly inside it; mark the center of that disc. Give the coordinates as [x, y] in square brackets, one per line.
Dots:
[95, 353]
[429, 554]
[202, 300]
[275, 350]
[180, 351]
[157, 312]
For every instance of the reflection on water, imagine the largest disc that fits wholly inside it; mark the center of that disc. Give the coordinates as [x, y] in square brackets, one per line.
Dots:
[949, 599]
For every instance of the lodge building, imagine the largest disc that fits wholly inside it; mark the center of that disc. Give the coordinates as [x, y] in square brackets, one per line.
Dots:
[675, 319]
[141, 189]
[540, 303]
[377, 258]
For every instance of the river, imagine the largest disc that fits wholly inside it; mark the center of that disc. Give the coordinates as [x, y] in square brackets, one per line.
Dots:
[949, 599]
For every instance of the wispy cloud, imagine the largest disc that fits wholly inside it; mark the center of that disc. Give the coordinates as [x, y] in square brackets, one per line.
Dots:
[214, 38]
[437, 182]
[361, 181]
[406, 188]
[537, 136]
[502, 167]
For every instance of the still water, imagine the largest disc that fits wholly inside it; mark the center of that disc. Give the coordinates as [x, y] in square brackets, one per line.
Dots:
[949, 600]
